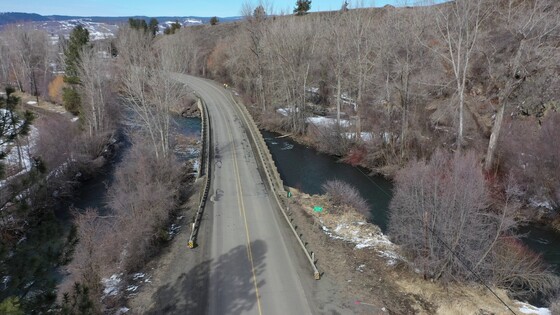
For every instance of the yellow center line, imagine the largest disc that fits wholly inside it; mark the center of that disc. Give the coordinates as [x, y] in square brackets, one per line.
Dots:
[241, 205]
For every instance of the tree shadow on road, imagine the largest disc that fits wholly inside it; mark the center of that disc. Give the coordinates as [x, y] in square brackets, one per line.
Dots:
[232, 273]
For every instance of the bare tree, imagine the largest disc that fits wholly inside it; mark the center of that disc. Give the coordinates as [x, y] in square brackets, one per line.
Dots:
[458, 25]
[29, 53]
[532, 27]
[363, 57]
[256, 26]
[148, 87]
[95, 77]
[292, 43]
[337, 34]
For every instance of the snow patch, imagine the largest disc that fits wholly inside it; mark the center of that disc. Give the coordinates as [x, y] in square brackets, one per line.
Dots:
[325, 121]
[365, 136]
[111, 285]
[526, 308]
[534, 202]
[363, 236]
[122, 310]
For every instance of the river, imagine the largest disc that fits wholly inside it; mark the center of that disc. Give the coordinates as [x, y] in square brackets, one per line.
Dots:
[93, 192]
[306, 169]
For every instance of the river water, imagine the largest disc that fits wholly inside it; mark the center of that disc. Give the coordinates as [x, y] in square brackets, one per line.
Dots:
[305, 169]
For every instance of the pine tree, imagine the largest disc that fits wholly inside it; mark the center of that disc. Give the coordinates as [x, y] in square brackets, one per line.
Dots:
[302, 6]
[259, 14]
[78, 38]
[153, 26]
[174, 27]
[12, 125]
[214, 20]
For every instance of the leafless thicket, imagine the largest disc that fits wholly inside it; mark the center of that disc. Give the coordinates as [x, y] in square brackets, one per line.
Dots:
[531, 152]
[26, 56]
[147, 85]
[344, 194]
[531, 32]
[440, 215]
[141, 199]
[96, 87]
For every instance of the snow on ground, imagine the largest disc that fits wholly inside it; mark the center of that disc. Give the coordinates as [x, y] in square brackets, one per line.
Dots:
[534, 202]
[526, 308]
[364, 235]
[13, 156]
[111, 285]
[285, 111]
[326, 121]
[365, 136]
[27, 145]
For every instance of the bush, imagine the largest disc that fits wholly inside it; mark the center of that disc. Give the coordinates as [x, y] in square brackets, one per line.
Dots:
[441, 216]
[437, 203]
[344, 194]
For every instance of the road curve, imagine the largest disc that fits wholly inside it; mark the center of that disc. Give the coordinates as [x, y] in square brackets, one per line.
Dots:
[252, 270]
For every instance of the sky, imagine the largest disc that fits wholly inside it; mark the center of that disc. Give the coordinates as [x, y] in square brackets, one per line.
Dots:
[207, 8]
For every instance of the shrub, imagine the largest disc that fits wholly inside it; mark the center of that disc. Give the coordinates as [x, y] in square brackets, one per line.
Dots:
[344, 194]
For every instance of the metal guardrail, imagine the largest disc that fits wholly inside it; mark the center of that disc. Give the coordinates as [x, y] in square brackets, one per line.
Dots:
[204, 170]
[274, 179]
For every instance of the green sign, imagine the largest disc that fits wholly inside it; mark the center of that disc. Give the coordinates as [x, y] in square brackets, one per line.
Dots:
[318, 209]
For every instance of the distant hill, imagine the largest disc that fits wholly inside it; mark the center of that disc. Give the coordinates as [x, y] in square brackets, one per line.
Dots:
[99, 26]
[19, 17]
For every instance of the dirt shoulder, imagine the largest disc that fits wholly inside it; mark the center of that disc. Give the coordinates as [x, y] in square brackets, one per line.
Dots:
[373, 281]
[177, 277]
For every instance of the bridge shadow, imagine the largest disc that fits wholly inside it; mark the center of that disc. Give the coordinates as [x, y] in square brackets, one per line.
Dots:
[235, 291]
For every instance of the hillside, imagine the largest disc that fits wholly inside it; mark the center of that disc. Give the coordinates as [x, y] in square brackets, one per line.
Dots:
[401, 87]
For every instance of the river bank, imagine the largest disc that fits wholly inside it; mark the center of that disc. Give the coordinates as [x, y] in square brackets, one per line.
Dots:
[373, 277]
[304, 168]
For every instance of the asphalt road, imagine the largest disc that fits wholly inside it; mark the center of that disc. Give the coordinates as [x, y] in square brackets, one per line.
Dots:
[251, 264]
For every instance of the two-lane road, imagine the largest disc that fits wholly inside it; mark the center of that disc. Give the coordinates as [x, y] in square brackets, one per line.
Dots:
[252, 269]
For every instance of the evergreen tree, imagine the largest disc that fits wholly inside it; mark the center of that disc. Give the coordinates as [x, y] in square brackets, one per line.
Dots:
[12, 125]
[78, 38]
[78, 302]
[302, 6]
[140, 24]
[259, 13]
[173, 28]
[153, 26]
[11, 306]
[214, 20]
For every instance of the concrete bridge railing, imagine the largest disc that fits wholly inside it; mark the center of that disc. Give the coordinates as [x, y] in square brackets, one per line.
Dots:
[273, 176]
